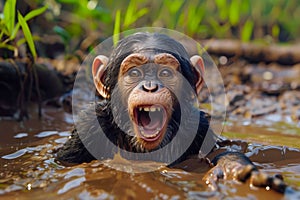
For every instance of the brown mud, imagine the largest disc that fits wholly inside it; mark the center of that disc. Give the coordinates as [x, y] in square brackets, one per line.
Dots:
[28, 169]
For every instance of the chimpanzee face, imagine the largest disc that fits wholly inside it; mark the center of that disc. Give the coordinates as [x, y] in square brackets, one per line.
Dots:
[146, 82]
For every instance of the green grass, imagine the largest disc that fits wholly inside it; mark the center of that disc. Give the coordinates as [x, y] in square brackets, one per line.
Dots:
[9, 28]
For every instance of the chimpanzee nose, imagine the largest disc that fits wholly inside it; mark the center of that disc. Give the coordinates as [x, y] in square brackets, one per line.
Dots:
[150, 86]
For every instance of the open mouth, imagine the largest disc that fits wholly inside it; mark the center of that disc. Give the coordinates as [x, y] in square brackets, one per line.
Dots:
[150, 121]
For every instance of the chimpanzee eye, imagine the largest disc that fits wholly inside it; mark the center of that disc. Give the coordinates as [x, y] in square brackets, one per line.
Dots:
[165, 73]
[134, 73]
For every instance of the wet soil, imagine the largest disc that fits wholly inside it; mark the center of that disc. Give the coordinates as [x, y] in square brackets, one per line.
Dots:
[28, 169]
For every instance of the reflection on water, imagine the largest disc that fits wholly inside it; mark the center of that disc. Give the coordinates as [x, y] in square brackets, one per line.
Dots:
[28, 167]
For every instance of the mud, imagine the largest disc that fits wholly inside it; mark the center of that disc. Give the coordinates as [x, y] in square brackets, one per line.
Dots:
[29, 169]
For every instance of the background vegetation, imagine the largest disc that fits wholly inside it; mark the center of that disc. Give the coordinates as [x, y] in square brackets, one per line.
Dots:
[271, 20]
[266, 21]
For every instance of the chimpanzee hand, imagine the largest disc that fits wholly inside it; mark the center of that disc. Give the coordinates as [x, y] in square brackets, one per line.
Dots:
[235, 165]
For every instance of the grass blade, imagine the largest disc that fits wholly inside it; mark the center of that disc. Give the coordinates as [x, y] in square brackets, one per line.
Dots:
[234, 12]
[35, 13]
[275, 31]
[223, 10]
[9, 12]
[27, 17]
[117, 26]
[247, 31]
[133, 13]
[129, 14]
[7, 46]
[27, 35]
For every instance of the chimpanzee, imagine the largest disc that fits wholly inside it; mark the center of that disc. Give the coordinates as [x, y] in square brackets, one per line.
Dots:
[142, 85]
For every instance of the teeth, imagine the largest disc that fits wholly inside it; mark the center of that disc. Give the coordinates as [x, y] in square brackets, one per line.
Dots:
[149, 109]
[149, 136]
[152, 109]
[142, 130]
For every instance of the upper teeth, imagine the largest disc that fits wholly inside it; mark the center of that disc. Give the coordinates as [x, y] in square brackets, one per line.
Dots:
[149, 109]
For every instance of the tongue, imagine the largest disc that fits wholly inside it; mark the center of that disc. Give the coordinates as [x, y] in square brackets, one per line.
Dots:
[149, 121]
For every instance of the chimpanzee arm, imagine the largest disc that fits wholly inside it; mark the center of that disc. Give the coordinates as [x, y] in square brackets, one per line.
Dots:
[235, 165]
[74, 151]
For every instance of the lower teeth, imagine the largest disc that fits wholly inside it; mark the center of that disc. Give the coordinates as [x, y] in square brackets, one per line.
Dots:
[149, 136]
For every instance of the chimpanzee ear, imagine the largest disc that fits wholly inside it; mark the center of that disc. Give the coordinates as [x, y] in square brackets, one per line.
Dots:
[98, 70]
[198, 65]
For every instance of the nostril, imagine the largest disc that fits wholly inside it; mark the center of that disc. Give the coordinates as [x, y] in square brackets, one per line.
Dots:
[150, 87]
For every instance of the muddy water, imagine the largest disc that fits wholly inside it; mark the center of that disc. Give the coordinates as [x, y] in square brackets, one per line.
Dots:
[28, 169]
